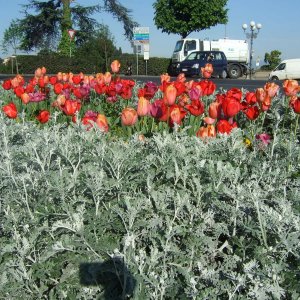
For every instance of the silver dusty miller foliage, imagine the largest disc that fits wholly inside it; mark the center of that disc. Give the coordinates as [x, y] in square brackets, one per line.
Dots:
[171, 217]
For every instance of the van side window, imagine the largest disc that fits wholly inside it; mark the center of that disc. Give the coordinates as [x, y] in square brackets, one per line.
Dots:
[190, 45]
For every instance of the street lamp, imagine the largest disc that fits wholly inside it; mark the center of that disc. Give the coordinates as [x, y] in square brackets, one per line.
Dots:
[254, 29]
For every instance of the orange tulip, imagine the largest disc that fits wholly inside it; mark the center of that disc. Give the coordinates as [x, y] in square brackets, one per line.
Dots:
[170, 94]
[165, 78]
[213, 110]
[291, 87]
[143, 107]
[260, 94]
[129, 116]
[107, 77]
[65, 77]
[175, 115]
[207, 70]
[25, 98]
[59, 76]
[102, 123]
[271, 88]
[209, 121]
[38, 73]
[181, 77]
[115, 66]
[205, 132]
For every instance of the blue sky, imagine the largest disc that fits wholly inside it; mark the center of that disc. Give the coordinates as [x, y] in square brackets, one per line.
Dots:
[280, 25]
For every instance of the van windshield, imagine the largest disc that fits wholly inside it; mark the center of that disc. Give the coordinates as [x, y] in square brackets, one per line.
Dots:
[280, 67]
[178, 46]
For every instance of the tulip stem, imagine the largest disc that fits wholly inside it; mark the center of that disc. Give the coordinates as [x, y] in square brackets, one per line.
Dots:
[296, 126]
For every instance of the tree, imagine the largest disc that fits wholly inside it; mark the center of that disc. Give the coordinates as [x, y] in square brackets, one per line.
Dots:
[12, 40]
[100, 48]
[185, 16]
[48, 28]
[272, 59]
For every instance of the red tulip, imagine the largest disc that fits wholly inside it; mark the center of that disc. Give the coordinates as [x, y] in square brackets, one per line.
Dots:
[10, 110]
[76, 79]
[231, 107]
[223, 126]
[129, 116]
[250, 98]
[235, 93]
[252, 112]
[295, 104]
[19, 90]
[159, 110]
[43, 116]
[70, 107]
[53, 80]
[7, 84]
[208, 87]
[58, 87]
[196, 108]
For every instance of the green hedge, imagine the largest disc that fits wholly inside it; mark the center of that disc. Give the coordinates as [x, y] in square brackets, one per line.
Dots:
[88, 65]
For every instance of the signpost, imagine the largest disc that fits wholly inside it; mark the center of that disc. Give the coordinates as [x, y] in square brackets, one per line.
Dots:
[71, 33]
[141, 37]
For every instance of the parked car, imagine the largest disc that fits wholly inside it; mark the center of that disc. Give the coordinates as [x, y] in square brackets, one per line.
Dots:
[287, 69]
[193, 63]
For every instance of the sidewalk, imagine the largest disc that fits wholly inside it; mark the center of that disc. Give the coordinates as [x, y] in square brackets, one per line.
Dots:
[261, 75]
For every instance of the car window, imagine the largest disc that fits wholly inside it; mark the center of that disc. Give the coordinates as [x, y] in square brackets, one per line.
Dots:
[209, 57]
[218, 56]
[193, 55]
[202, 56]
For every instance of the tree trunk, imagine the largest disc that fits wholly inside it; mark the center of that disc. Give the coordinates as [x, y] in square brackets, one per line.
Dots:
[66, 43]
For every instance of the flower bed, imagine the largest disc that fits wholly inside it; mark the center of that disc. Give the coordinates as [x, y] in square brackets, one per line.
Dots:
[196, 199]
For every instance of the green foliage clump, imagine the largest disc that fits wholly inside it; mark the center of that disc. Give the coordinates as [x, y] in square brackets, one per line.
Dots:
[183, 17]
[272, 59]
[170, 217]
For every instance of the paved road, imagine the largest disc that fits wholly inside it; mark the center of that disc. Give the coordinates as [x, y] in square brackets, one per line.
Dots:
[226, 84]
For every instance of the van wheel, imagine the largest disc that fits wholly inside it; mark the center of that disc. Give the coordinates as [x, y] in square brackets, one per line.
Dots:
[274, 78]
[234, 71]
[223, 74]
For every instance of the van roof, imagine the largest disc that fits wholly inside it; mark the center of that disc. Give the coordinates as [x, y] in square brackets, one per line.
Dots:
[291, 60]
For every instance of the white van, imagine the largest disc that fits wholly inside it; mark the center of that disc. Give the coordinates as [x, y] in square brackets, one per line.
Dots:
[287, 69]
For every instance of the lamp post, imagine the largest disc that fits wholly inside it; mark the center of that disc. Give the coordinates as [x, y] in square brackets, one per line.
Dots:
[254, 29]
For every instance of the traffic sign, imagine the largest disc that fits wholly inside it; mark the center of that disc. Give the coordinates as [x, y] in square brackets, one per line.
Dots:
[140, 35]
[71, 33]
